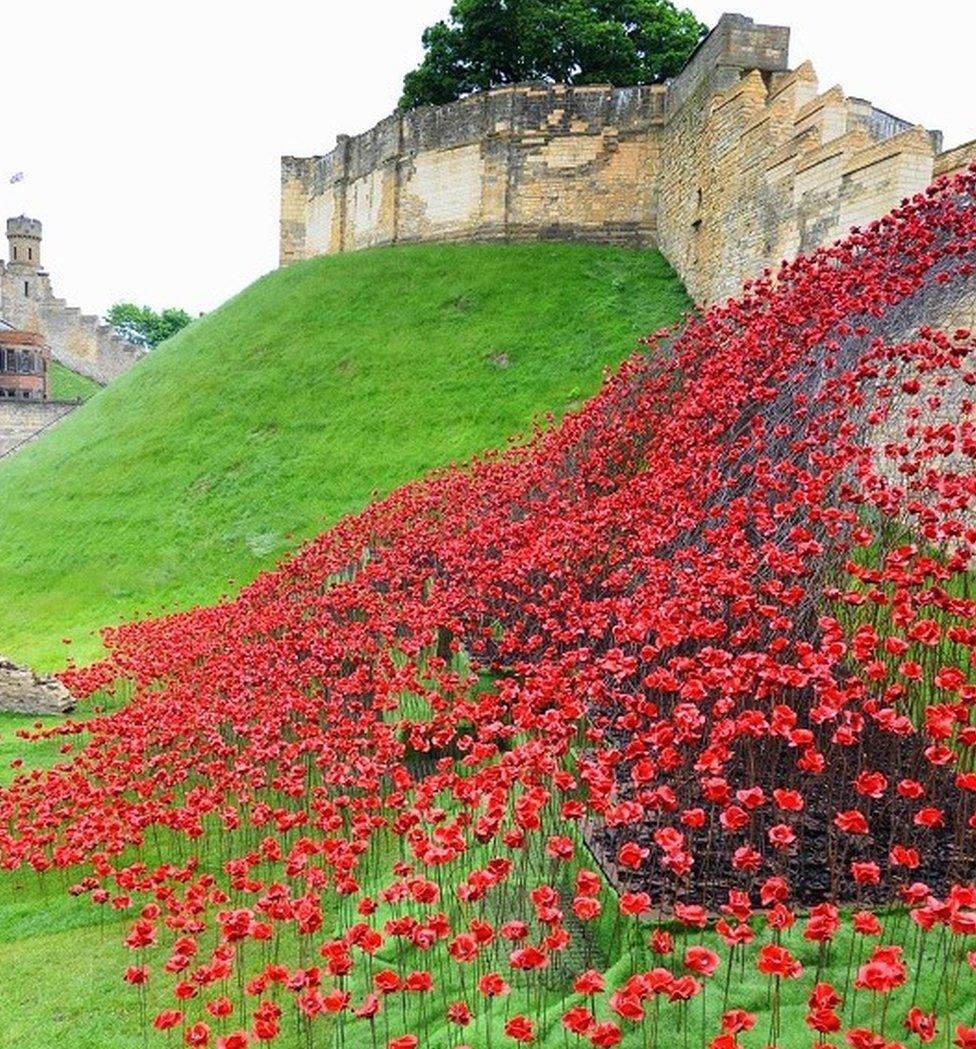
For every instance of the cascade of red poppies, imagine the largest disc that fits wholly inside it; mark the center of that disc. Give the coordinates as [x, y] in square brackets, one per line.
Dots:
[709, 639]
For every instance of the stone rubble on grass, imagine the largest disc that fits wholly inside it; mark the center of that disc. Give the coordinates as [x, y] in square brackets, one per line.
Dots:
[24, 692]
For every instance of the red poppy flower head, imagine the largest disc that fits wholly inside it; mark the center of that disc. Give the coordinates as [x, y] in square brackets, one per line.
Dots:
[605, 1035]
[589, 982]
[520, 1028]
[775, 960]
[491, 985]
[734, 1021]
[701, 960]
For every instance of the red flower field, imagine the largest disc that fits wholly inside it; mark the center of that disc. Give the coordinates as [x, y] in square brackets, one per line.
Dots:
[657, 726]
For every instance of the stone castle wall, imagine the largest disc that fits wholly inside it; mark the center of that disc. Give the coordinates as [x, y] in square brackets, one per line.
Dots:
[22, 421]
[77, 340]
[84, 343]
[737, 163]
[546, 161]
[760, 164]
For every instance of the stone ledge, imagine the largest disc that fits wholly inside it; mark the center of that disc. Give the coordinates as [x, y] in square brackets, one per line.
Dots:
[956, 159]
[914, 142]
[803, 74]
[24, 692]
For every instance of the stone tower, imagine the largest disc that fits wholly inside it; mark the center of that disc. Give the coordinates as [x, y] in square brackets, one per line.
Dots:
[79, 341]
[24, 240]
[24, 283]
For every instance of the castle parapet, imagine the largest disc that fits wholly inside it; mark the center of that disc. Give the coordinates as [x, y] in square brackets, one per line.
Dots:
[734, 165]
[514, 162]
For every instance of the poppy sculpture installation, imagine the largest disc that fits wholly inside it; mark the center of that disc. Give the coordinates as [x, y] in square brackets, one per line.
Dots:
[545, 748]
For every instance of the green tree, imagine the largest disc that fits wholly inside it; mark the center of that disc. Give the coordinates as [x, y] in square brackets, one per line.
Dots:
[143, 325]
[485, 43]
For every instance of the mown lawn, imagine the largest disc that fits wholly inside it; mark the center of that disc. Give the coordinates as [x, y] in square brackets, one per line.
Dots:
[268, 419]
[66, 385]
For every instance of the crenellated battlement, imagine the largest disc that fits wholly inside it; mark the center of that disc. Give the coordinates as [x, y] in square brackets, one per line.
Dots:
[79, 341]
[736, 163]
[22, 226]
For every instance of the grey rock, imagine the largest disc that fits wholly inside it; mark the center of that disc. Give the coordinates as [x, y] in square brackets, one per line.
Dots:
[24, 692]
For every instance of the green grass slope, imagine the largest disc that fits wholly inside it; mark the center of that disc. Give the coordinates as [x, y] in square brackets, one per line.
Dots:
[286, 408]
[66, 385]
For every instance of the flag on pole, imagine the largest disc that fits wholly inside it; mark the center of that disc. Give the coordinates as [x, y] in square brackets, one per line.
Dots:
[17, 177]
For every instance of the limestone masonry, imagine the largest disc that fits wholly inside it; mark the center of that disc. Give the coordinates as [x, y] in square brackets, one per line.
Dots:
[24, 692]
[36, 327]
[78, 340]
[22, 421]
[735, 164]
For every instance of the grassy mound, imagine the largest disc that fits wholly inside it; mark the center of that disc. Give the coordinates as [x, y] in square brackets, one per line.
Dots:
[67, 385]
[288, 407]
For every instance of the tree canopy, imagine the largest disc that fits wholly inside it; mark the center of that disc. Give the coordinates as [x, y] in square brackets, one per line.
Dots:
[143, 325]
[486, 43]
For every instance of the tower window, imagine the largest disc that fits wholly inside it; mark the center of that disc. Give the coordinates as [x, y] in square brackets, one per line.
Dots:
[15, 253]
[30, 254]
[26, 288]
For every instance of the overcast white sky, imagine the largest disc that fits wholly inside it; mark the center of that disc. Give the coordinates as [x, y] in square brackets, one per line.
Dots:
[150, 132]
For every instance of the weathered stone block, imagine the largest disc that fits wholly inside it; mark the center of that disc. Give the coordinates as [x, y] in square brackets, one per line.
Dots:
[24, 692]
